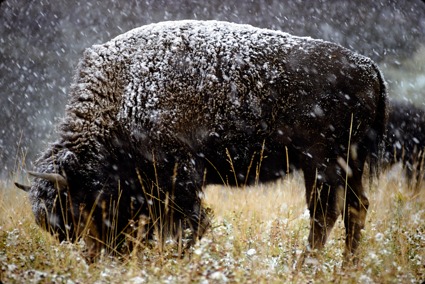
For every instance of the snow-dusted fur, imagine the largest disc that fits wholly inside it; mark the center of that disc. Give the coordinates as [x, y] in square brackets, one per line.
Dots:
[162, 110]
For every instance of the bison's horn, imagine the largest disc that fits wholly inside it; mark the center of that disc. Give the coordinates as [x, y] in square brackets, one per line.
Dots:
[25, 188]
[58, 180]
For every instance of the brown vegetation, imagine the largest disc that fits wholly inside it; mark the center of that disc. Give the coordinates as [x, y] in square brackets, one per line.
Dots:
[258, 235]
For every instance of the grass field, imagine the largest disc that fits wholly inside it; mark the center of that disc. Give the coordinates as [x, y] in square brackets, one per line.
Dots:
[258, 235]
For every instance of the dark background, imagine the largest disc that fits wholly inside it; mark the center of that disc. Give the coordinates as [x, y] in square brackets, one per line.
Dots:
[41, 42]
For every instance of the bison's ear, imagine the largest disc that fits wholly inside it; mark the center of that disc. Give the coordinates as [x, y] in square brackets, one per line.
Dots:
[25, 188]
[58, 180]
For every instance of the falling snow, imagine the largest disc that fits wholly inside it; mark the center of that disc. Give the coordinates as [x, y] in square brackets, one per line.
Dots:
[38, 60]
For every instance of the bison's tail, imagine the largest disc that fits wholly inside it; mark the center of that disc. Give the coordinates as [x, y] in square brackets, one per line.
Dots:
[377, 134]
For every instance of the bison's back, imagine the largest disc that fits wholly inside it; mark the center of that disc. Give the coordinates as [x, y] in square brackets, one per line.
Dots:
[212, 87]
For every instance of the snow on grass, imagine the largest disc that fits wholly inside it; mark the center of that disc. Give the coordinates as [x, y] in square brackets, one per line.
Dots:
[258, 235]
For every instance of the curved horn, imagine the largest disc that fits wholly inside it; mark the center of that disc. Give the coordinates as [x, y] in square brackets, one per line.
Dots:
[25, 188]
[58, 180]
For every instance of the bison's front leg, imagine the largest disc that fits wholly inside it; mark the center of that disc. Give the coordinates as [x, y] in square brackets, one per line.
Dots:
[199, 222]
[188, 213]
[184, 205]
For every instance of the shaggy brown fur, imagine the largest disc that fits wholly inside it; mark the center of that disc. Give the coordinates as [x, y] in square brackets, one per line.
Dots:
[158, 112]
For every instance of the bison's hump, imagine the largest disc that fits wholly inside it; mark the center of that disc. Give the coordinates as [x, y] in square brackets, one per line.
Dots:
[208, 30]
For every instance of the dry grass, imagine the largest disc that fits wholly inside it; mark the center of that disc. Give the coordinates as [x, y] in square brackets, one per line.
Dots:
[258, 235]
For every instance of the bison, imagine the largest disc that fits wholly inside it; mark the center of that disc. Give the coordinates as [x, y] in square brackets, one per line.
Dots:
[405, 139]
[159, 112]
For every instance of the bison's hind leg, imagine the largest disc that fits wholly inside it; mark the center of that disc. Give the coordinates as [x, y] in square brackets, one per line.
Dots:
[323, 196]
[332, 190]
[322, 201]
[355, 209]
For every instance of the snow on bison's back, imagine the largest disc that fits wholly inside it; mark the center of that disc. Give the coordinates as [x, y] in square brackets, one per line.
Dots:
[162, 110]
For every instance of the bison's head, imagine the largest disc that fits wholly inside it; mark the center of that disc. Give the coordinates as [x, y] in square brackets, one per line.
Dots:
[48, 195]
[57, 203]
